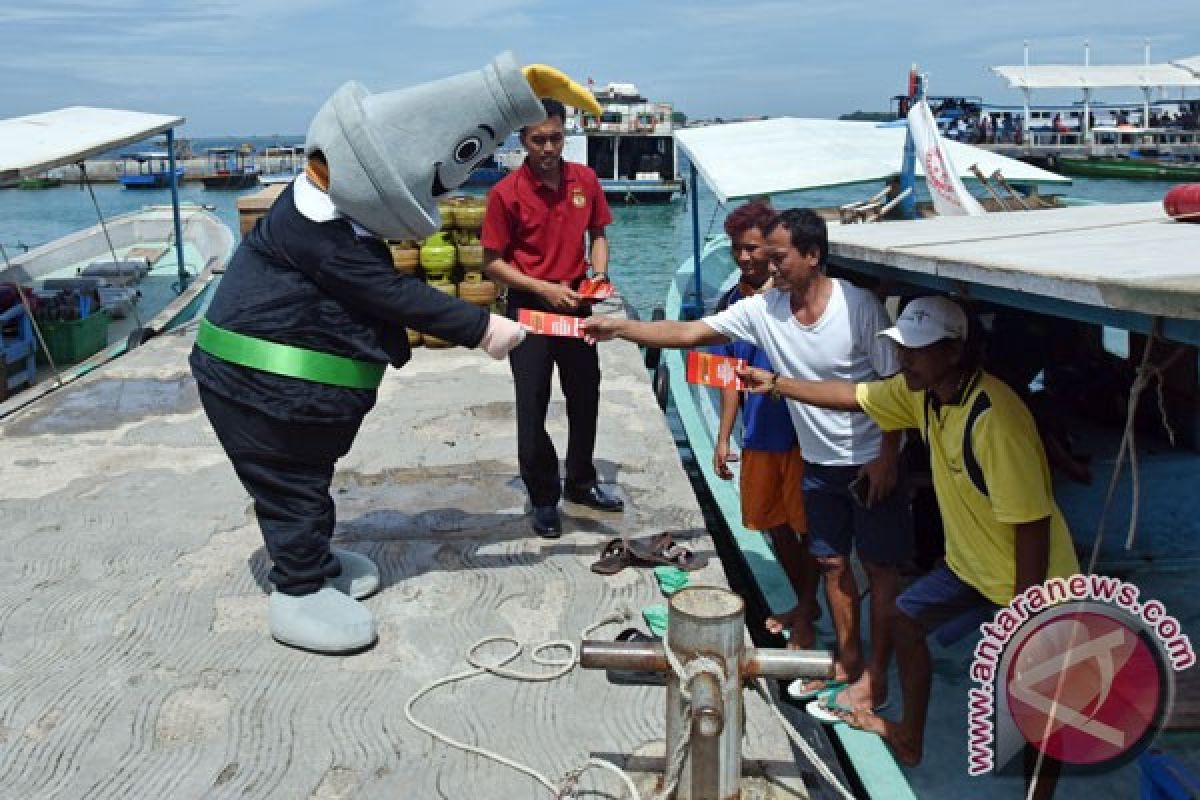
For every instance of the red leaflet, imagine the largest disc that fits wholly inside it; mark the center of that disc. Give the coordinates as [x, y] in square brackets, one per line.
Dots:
[546, 323]
[713, 370]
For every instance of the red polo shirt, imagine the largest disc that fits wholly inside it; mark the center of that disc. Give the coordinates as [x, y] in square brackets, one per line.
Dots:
[540, 230]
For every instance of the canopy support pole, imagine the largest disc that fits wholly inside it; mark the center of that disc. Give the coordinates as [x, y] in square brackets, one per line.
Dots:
[183, 274]
[695, 310]
[908, 167]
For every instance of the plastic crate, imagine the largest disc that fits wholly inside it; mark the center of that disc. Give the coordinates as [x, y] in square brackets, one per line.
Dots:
[71, 342]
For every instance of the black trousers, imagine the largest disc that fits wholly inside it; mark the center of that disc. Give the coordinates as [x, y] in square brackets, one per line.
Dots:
[286, 468]
[532, 365]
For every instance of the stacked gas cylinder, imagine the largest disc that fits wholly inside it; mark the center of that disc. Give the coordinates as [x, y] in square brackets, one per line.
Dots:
[450, 260]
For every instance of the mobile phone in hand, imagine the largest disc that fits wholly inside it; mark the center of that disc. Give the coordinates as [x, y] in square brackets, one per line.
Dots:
[859, 489]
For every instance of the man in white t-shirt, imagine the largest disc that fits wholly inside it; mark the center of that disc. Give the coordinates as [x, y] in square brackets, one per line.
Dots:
[814, 327]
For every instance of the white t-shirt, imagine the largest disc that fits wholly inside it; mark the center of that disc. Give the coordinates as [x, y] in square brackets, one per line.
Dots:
[841, 345]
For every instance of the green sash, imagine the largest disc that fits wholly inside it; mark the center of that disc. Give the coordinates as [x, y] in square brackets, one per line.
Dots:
[284, 359]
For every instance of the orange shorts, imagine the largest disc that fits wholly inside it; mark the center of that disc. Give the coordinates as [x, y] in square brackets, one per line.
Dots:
[772, 491]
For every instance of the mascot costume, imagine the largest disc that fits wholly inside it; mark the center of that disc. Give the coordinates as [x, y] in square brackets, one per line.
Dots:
[310, 312]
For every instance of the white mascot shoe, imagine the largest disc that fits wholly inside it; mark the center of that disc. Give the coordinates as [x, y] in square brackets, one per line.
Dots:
[360, 576]
[326, 621]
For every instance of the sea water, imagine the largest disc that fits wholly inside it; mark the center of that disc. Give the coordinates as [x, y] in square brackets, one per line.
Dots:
[647, 242]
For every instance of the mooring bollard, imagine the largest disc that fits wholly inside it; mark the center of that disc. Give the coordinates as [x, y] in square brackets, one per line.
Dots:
[705, 714]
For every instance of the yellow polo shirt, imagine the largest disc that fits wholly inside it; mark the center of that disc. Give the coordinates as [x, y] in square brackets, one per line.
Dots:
[980, 528]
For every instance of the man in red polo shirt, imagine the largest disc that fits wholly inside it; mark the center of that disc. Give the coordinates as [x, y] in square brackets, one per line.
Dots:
[533, 239]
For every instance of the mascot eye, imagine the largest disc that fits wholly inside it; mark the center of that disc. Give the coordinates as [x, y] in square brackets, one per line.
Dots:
[467, 149]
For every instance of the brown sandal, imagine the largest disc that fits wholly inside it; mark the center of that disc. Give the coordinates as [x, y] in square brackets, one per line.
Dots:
[615, 557]
[662, 550]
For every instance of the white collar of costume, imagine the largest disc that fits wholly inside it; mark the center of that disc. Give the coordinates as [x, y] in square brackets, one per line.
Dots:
[317, 205]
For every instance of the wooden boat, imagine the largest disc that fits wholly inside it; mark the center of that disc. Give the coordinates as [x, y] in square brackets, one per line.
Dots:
[39, 182]
[230, 168]
[629, 146]
[281, 164]
[1128, 168]
[147, 170]
[1113, 274]
[126, 279]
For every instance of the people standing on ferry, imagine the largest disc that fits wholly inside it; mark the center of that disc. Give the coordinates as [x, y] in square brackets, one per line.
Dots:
[771, 466]
[1004, 531]
[310, 312]
[815, 327]
[533, 239]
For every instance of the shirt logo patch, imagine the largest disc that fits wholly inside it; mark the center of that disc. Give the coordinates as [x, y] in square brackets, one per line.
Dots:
[578, 198]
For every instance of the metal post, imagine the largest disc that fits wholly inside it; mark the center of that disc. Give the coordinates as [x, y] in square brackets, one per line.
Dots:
[183, 275]
[695, 310]
[706, 622]
[908, 166]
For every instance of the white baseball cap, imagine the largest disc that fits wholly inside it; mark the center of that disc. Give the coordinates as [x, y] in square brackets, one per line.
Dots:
[927, 320]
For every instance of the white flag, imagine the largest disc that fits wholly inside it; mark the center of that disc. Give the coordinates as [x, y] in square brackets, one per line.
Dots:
[950, 197]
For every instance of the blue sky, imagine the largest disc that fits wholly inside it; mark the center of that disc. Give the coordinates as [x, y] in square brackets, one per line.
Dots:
[239, 67]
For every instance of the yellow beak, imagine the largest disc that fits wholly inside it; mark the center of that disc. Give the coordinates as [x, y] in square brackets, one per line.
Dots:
[550, 82]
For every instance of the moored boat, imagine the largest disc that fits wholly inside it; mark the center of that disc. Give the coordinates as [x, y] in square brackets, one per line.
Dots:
[629, 146]
[1118, 279]
[281, 164]
[1128, 168]
[230, 168]
[147, 170]
[82, 300]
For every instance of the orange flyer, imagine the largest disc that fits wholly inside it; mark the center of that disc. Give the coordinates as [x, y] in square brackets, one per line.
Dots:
[546, 323]
[595, 290]
[708, 369]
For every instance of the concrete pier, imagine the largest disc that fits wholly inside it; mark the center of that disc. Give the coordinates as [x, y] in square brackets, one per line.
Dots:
[134, 655]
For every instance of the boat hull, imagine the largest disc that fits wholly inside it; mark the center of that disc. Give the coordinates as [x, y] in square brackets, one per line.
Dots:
[209, 245]
[153, 180]
[1135, 169]
[640, 192]
[233, 181]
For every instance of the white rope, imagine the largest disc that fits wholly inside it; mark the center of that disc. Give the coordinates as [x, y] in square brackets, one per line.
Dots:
[820, 766]
[1146, 373]
[566, 788]
[698, 665]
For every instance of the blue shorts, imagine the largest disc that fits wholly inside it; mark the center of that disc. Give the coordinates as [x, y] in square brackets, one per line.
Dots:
[838, 523]
[945, 605]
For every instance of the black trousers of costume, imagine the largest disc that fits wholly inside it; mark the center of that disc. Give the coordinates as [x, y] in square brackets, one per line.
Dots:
[287, 468]
[532, 365]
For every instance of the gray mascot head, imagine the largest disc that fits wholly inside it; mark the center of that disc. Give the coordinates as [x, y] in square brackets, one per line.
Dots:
[392, 155]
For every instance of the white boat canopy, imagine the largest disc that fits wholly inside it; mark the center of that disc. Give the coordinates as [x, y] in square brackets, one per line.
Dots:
[1099, 76]
[744, 159]
[39, 142]
[1117, 259]
[1192, 64]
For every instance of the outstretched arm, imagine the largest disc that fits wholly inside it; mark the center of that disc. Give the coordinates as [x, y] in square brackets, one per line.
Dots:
[836, 395]
[662, 333]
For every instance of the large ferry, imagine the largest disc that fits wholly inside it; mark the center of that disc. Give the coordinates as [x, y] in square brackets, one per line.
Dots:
[630, 146]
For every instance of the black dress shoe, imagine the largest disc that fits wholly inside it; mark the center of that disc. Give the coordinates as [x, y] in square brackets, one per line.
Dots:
[595, 497]
[546, 522]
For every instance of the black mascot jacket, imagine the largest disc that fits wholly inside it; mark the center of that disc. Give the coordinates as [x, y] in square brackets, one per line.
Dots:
[323, 287]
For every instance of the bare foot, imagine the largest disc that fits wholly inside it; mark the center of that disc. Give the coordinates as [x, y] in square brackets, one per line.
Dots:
[907, 751]
[798, 623]
[862, 695]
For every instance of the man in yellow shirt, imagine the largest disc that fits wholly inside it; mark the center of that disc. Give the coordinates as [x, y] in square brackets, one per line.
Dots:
[1004, 532]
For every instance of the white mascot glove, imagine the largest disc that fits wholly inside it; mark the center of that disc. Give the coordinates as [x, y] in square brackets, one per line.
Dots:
[501, 336]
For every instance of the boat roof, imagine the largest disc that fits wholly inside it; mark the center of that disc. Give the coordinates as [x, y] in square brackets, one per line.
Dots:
[1185, 72]
[43, 141]
[787, 154]
[1129, 258]
[146, 155]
